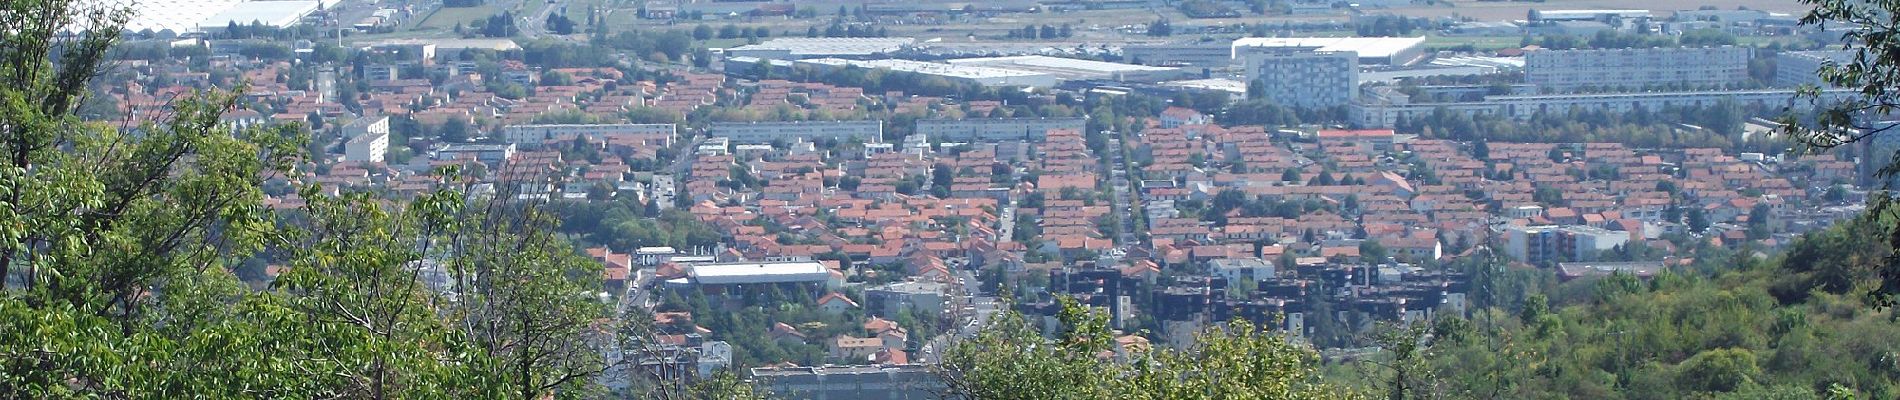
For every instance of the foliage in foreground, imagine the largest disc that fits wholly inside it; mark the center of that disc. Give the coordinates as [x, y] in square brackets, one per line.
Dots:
[116, 246]
[1795, 326]
[1010, 359]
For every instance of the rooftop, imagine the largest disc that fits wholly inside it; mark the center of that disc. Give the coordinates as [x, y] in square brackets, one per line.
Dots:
[1366, 47]
[1067, 68]
[829, 46]
[1637, 268]
[765, 272]
[948, 70]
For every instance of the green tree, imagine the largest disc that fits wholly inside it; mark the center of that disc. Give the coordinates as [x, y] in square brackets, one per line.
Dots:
[1719, 370]
[1010, 360]
[118, 249]
[1868, 30]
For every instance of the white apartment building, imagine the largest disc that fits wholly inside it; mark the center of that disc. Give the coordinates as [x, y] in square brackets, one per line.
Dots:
[790, 131]
[1303, 77]
[531, 136]
[369, 147]
[1797, 68]
[367, 139]
[1567, 70]
[1386, 112]
[991, 130]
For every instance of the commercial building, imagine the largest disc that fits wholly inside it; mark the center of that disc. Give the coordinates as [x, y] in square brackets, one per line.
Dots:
[1074, 69]
[923, 299]
[991, 130]
[963, 74]
[721, 277]
[1798, 68]
[767, 132]
[368, 139]
[1605, 16]
[1370, 50]
[192, 16]
[1303, 77]
[1566, 70]
[803, 48]
[858, 382]
[1196, 56]
[531, 136]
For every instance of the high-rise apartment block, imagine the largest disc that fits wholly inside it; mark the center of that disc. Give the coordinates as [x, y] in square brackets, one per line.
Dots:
[1302, 77]
[1569, 70]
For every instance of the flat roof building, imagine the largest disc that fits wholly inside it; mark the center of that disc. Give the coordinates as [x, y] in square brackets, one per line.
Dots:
[1303, 77]
[1386, 113]
[803, 48]
[1370, 50]
[531, 136]
[1565, 70]
[1797, 68]
[487, 153]
[367, 139]
[191, 16]
[1196, 56]
[1640, 269]
[789, 131]
[750, 273]
[1076, 69]
[983, 76]
[991, 130]
[1540, 16]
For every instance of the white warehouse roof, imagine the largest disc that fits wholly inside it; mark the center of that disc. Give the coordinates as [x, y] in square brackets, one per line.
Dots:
[1367, 47]
[805, 47]
[270, 13]
[929, 68]
[762, 272]
[1066, 68]
[184, 16]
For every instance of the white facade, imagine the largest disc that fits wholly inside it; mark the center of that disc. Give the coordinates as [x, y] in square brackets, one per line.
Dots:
[370, 147]
[759, 273]
[368, 139]
[1565, 70]
[1198, 56]
[1075, 69]
[1370, 50]
[983, 76]
[1238, 269]
[189, 16]
[990, 130]
[800, 48]
[1304, 78]
[1386, 114]
[1797, 68]
[766, 132]
[531, 136]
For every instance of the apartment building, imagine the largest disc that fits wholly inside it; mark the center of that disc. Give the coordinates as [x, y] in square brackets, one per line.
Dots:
[1303, 77]
[767, 132]
[1569, 70]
